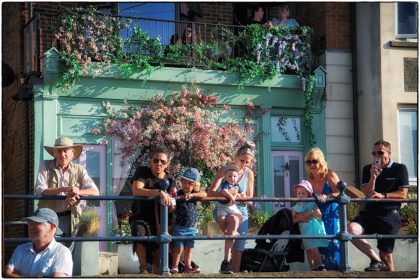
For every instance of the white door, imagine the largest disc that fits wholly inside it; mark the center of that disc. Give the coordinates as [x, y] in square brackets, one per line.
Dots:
[93, 159]
[287, 171]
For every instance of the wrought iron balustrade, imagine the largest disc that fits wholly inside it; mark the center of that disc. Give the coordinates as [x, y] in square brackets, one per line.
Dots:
[164, 237]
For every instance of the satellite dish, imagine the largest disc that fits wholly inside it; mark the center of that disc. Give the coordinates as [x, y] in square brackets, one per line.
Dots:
[8, 76]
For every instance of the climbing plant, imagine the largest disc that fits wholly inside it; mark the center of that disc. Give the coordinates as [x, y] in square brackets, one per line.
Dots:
[86, 36]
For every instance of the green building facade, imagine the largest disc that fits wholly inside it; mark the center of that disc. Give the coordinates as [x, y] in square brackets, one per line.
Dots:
[75, 112]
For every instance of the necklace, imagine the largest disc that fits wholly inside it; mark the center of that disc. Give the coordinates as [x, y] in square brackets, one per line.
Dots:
[318, 186]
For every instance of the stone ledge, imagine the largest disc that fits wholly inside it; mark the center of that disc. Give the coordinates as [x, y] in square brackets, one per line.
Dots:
[403, 44]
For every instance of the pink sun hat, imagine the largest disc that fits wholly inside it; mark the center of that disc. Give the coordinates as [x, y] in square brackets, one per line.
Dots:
[304, 184]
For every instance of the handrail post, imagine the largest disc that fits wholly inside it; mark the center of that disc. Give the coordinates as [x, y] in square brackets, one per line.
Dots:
[193, 42]
[343, 236]
[164, 240]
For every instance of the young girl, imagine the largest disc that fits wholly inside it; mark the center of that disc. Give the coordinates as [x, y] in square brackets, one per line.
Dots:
[309, 224]
[185, 221]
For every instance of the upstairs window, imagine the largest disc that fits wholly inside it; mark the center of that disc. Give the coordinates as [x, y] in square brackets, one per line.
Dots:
[408, 141]
[407, 14]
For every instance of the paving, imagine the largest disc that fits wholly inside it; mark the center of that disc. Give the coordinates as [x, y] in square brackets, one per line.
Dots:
[288, 274]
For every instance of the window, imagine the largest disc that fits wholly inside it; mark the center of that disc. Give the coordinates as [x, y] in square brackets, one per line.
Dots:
[285, 129]
[407, 124]
[407, 19]
[159, 16]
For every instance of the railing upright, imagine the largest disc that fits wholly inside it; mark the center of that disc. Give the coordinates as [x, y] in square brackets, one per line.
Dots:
[344, 237]
[165, 238]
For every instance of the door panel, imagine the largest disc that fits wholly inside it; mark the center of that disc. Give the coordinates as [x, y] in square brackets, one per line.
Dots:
[93, 159]
[287, 171]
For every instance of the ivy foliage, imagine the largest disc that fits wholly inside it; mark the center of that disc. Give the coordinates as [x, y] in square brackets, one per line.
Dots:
[254, 52]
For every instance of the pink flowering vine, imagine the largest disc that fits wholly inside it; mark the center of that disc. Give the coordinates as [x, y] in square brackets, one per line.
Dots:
[186, 122]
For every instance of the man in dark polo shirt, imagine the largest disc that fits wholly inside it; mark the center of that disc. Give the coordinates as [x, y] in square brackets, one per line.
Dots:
[382, 179]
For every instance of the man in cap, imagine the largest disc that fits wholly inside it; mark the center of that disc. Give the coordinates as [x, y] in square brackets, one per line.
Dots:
[61, 176]
[43, 256]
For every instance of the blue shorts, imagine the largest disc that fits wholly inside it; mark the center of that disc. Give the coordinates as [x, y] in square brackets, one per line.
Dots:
[184, 231]
[239, 244]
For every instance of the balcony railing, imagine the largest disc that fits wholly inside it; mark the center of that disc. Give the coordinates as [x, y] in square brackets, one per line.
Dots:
[86, 36]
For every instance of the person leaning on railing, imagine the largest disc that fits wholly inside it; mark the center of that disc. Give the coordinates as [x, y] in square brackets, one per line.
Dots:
[61, 176]
[243, 157]
[324, 183]
[283, 19]
[258, 17]
[382, 179]
[151, 181]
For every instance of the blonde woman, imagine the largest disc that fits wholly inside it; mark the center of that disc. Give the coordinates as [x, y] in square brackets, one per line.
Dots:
[324, 183]
[243, 158]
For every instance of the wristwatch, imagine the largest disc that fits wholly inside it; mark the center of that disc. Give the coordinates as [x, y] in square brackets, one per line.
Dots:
[385, 195]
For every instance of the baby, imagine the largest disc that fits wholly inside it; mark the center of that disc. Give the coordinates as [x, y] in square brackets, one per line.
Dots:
[229, 189]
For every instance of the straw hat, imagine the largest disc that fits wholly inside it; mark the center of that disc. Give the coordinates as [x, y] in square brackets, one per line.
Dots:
[64, 142]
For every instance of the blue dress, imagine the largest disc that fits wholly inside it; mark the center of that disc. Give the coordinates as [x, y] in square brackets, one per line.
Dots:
[313, 227]
[330, 215]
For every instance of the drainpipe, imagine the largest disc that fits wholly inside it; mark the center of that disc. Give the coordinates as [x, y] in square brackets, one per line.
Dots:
[355, 88]
[26, 144]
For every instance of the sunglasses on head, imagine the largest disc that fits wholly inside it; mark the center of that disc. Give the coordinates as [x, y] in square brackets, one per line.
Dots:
[314, 161]
[156, 160]
[379, 153]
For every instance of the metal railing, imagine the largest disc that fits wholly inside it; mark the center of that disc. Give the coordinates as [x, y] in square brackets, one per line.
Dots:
[39, 36]
[164, 238]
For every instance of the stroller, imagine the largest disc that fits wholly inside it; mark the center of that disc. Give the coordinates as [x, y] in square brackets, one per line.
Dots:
[271, 255]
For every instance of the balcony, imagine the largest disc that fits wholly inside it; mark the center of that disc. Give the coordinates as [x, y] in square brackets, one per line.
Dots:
[138, 44]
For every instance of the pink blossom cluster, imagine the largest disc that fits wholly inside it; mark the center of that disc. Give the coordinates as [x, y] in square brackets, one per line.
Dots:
[185, 122]
[85, 36]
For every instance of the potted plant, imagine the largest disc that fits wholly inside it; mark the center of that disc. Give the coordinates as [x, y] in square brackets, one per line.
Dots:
[86, 253]
[89, 223]
[128, 261]
[206, 223]
[256, 219]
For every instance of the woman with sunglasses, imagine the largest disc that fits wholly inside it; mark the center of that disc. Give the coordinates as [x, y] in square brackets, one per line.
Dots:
[324, 182]
[149, 181]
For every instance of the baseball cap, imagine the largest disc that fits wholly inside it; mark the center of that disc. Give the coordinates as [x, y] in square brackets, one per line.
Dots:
[43, 215]
[191, 174]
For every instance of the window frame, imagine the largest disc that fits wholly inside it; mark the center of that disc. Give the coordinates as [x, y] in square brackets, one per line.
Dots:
[402, 35]
[412, 178]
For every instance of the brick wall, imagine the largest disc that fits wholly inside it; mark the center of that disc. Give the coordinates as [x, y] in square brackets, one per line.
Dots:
[331, 22]
[338, 25]
[13, 115]
[217, 12]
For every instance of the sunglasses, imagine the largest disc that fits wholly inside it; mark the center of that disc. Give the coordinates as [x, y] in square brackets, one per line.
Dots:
[379, 153]
[156, 160]
[314, 161]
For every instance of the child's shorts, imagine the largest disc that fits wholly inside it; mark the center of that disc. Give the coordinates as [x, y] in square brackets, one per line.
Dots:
[184, 231]
[224, 210]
